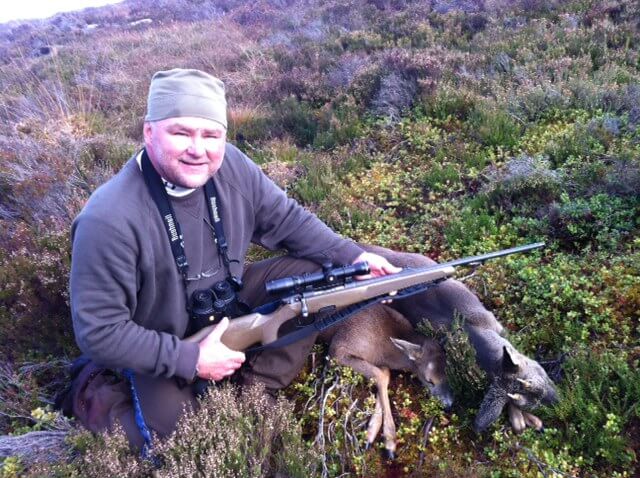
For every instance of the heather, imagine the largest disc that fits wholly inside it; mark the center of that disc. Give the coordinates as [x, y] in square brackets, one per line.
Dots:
[448, 128]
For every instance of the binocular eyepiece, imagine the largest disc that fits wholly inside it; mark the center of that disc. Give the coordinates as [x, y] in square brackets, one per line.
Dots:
[209, 306]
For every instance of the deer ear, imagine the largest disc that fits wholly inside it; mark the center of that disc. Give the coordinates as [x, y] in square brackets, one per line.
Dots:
[411, 350]
[510, 362]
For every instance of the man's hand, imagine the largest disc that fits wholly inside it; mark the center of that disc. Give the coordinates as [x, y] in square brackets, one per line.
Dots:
[378, 265]
[216, 360]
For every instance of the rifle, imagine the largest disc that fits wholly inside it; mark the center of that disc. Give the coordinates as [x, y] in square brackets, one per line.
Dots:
[339, 296]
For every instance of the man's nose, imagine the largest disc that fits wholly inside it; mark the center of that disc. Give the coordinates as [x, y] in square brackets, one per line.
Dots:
[196, 148]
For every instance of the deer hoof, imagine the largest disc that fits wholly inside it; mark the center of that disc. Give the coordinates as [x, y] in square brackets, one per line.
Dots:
[389, 454]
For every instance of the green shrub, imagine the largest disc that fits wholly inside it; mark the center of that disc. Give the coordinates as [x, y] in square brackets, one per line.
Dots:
[319, 180]
[562, 301]
[524, 183]
[467, 380]
[599, 404]
[474, 230]
[573, 147]
[296, 119]
[338, 126]
[442, 177]
[448, 102]
[34, 310]
[601, 221]
[494, 127]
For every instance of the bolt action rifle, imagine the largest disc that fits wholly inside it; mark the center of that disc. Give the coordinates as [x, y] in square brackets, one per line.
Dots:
[334, 295]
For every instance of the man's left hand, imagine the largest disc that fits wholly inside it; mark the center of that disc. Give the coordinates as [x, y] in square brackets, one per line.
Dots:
[378, 265]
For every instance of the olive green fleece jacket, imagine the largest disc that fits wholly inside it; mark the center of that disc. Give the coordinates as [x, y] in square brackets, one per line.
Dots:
[127, 297]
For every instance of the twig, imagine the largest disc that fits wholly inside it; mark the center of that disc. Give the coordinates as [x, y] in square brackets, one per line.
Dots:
[425, 440]
[543, 466]
[391, 152]
[320, 437]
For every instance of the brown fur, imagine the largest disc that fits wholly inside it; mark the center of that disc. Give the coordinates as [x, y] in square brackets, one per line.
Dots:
[439, 306]
[380, 339]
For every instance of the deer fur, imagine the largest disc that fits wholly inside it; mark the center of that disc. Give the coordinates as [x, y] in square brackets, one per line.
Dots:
[374, 342]
[518, 382]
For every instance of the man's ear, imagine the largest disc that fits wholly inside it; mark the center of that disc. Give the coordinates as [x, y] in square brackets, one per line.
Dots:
[413, 351]
[510, 362]
[146, 132]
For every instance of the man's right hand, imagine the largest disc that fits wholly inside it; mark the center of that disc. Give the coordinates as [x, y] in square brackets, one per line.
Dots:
[216, 360]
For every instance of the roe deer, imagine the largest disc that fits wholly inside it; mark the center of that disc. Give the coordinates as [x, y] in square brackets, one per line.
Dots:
[517, 381]
[380, 339]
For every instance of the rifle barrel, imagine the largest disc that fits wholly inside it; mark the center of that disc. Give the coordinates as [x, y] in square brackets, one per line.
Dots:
[492, 255]
[433, 271]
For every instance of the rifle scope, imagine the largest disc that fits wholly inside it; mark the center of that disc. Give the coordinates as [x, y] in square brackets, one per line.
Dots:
[327, 276]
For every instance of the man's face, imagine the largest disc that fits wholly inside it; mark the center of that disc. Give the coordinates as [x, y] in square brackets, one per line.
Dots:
[185, 151]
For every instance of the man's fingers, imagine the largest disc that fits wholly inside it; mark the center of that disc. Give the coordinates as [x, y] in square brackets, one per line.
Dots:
[219, 329]
[378, 265]
[391, 269]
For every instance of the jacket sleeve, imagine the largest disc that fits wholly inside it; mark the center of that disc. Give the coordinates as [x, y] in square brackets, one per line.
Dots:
[103, 288]
[283, 223]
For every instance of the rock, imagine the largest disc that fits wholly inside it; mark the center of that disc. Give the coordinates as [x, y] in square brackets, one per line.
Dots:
[514, 23]
[395, 94]
[475, 23]
[502, 63]
[281, 173]
[611, 125]
[46, 50]
[35, 447]
[280, 3]
[143, 21]
[569, 21]
[467, 6]
[315, 31]
[343, 74]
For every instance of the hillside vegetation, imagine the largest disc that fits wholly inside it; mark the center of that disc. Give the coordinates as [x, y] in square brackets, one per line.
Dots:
[448, 128]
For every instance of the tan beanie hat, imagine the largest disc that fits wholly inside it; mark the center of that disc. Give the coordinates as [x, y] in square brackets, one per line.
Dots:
[180, 92]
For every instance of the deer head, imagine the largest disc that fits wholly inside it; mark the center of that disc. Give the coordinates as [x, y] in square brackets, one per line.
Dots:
[428, 363]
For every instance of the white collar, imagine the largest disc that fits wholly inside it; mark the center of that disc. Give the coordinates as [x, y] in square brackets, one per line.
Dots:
[173, 190]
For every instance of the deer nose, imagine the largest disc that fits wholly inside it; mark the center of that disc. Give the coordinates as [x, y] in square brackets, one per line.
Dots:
[551, 396]
[443, 393]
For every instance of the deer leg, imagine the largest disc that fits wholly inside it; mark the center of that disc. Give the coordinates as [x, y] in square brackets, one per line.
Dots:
[388, 425]
[375, 422]
[382, 414]
[516, 418]
[533, 421]
[520, 419]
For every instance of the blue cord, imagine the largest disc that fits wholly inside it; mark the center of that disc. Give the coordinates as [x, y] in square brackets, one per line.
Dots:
[140, 421]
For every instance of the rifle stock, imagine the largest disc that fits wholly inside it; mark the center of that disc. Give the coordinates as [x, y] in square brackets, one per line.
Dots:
[253, 328]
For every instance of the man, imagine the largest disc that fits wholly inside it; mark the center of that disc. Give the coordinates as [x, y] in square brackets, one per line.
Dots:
[157, 232]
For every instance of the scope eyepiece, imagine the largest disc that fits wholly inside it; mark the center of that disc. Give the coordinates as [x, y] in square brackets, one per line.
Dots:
[327, 276]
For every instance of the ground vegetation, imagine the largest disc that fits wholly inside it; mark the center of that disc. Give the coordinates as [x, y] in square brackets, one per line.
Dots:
[448, 128]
